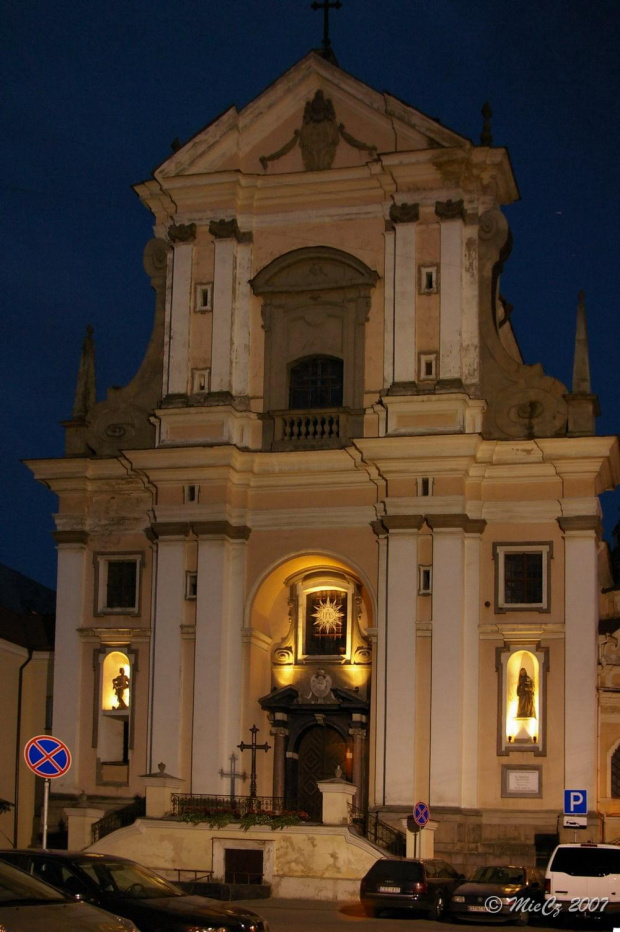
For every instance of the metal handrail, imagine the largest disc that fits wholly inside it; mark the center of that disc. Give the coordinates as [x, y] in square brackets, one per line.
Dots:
[118, 818]
[238, 806]
[378, 832]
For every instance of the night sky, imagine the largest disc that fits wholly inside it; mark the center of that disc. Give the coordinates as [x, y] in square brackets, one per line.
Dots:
[96, 92]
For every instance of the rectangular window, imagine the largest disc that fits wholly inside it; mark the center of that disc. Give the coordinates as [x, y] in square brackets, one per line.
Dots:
[190, 494]
[522, 576]
[118, 584]
[429, 279]
[201, 379]
[191, 585]
[204, 297]
[427, 366]
[425, 486]
[326, 623]
[425, 578]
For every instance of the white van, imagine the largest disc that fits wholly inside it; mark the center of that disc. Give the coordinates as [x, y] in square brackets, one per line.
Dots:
[584, 879]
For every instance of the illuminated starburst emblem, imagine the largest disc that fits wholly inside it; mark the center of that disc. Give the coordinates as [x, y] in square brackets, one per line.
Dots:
[328, 614]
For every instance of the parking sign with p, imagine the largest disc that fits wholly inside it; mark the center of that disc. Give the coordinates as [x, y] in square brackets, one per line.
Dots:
[575, 802]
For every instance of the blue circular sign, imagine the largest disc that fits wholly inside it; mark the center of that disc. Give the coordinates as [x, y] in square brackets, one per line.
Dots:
[421, 814]
[47, 756]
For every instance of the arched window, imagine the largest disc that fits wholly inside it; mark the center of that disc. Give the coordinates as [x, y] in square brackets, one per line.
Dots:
[615, 774]
[316, 382]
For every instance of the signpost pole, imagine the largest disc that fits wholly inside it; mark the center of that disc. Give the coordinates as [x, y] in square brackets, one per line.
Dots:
[46, 799]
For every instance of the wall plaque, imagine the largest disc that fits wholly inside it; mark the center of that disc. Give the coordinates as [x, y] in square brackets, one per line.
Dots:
[521, 780]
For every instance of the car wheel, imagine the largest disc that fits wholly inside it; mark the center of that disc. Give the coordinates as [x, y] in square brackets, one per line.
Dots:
[438, 908]
[523, 919]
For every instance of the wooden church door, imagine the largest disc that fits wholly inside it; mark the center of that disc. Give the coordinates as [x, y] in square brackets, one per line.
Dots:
[321, 750]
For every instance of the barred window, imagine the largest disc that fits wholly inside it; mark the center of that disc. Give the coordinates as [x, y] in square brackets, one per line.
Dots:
[522, 573]
[316, 382]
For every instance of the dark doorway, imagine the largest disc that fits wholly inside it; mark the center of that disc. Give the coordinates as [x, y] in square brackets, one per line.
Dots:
[321, 750]
[243, 865]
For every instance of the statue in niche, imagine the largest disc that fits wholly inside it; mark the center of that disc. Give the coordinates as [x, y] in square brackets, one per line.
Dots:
[525, 695]
[120, 684]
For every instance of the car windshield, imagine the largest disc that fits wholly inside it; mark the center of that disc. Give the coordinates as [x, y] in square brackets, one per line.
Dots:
[20, 889]
[500, 875]
[119, 878]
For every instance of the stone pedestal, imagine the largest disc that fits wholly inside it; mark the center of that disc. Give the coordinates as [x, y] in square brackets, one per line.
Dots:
[337, 796]
[159, 789]
[80, 820]
[421, 844]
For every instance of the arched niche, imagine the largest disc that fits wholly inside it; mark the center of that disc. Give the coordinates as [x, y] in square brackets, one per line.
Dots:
[316, 302]
[522, 697]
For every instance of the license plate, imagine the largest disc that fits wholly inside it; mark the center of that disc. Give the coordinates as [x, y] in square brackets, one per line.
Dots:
[477, 909]
[389, 889]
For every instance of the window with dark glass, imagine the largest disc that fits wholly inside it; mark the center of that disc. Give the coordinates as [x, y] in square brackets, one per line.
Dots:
[326, 622]
[316, 382]
[523, 578]
[121, 584]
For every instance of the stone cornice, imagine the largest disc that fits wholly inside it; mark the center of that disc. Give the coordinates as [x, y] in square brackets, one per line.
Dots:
[221, 529]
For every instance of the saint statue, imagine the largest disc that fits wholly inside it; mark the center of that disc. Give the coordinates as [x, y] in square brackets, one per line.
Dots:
[120, 683]
[525, 694]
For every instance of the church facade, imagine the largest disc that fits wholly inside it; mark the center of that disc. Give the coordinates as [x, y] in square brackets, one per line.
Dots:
[334, 502]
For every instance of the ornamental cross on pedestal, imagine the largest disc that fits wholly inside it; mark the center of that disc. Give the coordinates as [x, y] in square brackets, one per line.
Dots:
[234, 776]
[253, 747]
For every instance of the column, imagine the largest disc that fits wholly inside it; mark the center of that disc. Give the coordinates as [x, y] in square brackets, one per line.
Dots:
[183, 237]
[358, 733]
[166, 688]
[218, 650]
[404, 216]
[446, 777]
[470, 305]
[376, 786]
[450, 337]
[471, 660]
[580, 646]
[241, 321]
[70, 596]
[400, 658]
[279, 732]
[388, 309]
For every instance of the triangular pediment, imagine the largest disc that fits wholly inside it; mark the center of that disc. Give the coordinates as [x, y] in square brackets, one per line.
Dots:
[314, 117]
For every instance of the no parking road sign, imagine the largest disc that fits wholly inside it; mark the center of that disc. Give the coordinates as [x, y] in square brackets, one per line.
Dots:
[48, 757]
[421, 814]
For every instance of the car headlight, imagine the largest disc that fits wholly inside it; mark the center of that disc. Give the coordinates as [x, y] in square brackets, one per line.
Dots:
[208, 929]
[507, 900]
[458, 899]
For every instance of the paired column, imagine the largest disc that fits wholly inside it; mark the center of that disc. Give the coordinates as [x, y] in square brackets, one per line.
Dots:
[279, 732]
[580, 646]
[358, 733]
[450, 292]
[70, 596]
[218, 652]
[167, 673]
[401, 265]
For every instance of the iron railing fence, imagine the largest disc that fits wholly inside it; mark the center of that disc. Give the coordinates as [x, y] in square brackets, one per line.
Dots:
[118, 818]
[378, 832]
[237, 805]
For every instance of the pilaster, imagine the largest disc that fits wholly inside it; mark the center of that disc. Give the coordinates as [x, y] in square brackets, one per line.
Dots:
[580, 639]
[180, 309]
[70, 596]
[400, 658]
[450, 336]
[405, 216]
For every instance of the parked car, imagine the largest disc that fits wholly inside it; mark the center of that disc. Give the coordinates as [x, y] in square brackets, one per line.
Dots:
[133, 891]
[420, 885]
[29, 905]
[492, 893]
[585, 879]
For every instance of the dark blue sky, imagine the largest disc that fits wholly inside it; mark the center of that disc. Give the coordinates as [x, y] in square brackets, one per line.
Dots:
[95, 93]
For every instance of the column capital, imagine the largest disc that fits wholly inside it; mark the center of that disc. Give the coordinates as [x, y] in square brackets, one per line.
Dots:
[161, 529]
[228, 229]
[182, 234]
[219, 529]
[404, 213]
[580, 523]
[461, 522]
[450, 210]
[70, 538]
[403, 522]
